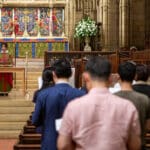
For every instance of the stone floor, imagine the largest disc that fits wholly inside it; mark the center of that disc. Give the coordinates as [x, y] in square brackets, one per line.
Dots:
[7, 144]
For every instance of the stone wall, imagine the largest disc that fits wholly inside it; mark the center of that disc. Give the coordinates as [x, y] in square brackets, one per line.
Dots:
[124, 23]
[138, 20]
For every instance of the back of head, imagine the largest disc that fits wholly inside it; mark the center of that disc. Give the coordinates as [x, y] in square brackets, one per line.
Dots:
[47, 81]
[127, 71]
[47, 78]
[47, 75]
[62, 68]
[99, 68]
[141, 72]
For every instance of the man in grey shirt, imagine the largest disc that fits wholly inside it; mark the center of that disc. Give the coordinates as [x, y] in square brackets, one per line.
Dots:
[127, 72]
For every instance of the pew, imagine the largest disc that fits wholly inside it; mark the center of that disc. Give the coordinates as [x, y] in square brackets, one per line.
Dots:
[29, 129]
[30, 138]
[27, 147]
[141, 57]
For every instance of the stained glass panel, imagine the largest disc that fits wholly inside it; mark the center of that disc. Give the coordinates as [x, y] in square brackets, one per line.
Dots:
[19, 21]
[28, 22]
[7, 21]
[32, 21]
[44, 21]
[57, 21]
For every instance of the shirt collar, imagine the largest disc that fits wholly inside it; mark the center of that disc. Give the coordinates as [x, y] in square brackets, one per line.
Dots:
[140, 82]
[99, 90]
[61, 81]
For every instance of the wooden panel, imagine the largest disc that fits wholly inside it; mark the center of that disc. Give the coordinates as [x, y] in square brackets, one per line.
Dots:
[77, 60]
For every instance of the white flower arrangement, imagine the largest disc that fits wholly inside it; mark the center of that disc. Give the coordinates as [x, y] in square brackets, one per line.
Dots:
[85, 28]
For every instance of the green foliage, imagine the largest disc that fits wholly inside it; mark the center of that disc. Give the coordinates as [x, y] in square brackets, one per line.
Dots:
[85, 28]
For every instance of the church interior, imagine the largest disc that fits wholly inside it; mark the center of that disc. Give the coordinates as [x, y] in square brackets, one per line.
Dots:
[38, 32]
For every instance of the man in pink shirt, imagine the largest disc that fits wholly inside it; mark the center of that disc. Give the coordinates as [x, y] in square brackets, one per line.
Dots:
[99, 120]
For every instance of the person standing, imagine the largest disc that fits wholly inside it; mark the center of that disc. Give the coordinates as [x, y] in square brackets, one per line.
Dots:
[141, 78]
[6, 79]
[127, 71]
[99, 120]
[51, 102]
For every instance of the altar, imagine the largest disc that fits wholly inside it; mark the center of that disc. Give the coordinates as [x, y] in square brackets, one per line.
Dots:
[35, 46]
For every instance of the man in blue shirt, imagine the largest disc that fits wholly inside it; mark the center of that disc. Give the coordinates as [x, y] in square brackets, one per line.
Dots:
[52, 101]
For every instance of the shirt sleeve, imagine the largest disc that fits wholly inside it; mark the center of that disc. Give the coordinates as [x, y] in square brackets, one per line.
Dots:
[67, 122]
[135, 129]
[37, 116]
[148, 109]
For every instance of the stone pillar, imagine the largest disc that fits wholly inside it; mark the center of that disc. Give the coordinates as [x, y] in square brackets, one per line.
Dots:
[105, 11]
[71, 23]
[124, 23]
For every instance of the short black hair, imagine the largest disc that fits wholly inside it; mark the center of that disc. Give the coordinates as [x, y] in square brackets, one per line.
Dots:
[62, 68]
[142, 72]
[5, 44]
[47, 76]
[98, 67]
[127, 71]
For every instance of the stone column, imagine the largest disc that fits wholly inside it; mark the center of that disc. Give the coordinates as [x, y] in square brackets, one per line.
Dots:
[71, 23]
[105, 25]
[124, 23]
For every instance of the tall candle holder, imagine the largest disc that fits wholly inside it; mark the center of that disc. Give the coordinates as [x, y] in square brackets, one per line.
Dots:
[27, 95]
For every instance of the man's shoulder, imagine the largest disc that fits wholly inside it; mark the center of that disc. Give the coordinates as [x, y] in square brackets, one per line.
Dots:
[43, 93]
[120, 100]
[144, 86]
[78, 91]
[134, 96]
[79, 101]
[140, 96]
[88, 97]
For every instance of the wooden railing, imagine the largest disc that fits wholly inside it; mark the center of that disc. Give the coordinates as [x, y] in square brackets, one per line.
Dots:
[77, 60]
[140, 57]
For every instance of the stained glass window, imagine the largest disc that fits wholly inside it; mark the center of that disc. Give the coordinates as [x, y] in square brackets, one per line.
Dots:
[26, 22]
[7, 21]
[57, 21]
[32, 21]
[44, 21]
[19, 21]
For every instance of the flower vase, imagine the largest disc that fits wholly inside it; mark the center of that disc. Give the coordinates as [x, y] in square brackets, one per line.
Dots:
[87, 47]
